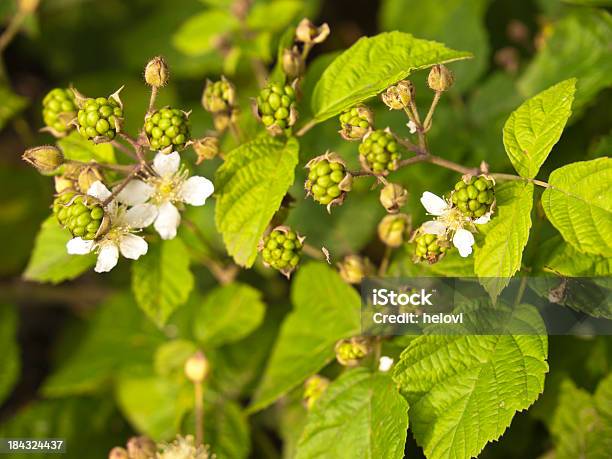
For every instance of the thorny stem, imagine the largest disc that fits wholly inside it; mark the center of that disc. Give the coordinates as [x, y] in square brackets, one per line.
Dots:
[432, 109]
[199, 412]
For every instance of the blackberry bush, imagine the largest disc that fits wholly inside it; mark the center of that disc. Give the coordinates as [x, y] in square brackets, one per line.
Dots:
[380, 152]
[167, 129]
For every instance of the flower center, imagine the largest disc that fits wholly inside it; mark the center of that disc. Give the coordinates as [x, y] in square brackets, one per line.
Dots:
[168, 189]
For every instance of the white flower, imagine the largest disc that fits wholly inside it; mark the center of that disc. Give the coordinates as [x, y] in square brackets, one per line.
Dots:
[412, 126]
[385, 363]
[450, 221]
[173, 186]
[119, 238]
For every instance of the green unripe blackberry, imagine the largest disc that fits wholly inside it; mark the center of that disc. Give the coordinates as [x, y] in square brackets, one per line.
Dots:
[82, 215]
[379, 152]
[356, 122]
[275, 107]
[328, 180]
[219, 96]
[167, 129]
[281, 249]
[59, 109]
[430, 247]
[474, 197]
[99, 119]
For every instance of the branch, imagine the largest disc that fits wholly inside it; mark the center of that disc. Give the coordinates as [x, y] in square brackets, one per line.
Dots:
[306, 127]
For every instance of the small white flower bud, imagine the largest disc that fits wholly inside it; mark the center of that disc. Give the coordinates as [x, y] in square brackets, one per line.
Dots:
[197, 367]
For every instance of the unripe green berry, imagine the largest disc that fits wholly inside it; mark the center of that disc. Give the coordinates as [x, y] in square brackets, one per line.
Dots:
[59, 109]
[393, 229]
[356, 122]
[430, 247]
[276, 107]
[350, 352]
[167, 129]
[100, 119]
[474, 196]
[314, 387]
[379, 152]
[281, 249]
[328, 180]
[219, 96]
[82, 215]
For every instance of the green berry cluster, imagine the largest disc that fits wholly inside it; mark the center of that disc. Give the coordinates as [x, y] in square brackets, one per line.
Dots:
[275, 103]
[99, 118]
[81, 215]
[167, 127]
[380, 152]
[356, 122]
[430, 247]
[324, 180]
[59, 108]
[218, 96]
[474, 197]
[281, 250]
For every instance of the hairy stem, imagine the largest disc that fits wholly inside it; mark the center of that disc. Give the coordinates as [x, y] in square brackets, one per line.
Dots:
[432, 109]
[153, 98]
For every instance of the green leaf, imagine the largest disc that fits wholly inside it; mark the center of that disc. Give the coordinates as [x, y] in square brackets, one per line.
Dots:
[198, 34]
[154, 405]
[535, 127]
[108, 347]
[77, 148]
[326, 309]
[228, 314]
[11, 105]
[429, 20]
[9, 357]
[251, 184]
[578, 47]
[559, 257]
[371, 65]
[283, 12]
[463, 391]
[579, 204]
[361, 414]
[506, 235]
[582, 423]
[50, 262]
[161, 280]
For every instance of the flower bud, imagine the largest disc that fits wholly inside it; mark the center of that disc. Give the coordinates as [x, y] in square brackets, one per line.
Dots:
[440, 78]
[393, 229]
[293, 64]
[314, 387]
[392, 197]
[141, 448]
[46, 158]
[206, 148]
[196, 367]
[354, 268]
[350, 352]
[307, 32]
[118, 453]
[28, 6]
[399, 96]
[87, 177]
[156, 72]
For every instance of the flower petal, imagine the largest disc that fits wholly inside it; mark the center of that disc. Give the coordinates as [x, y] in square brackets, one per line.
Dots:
[132, 246]
[463, 240]
[385, 363]
[140, 216]
[107, 258]
[135, 192]
[196, 189]
[166, 165]
[98, 190]
[486, 218]
[79, 246]
[433, 204]
[168, 219]
[434, 227]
